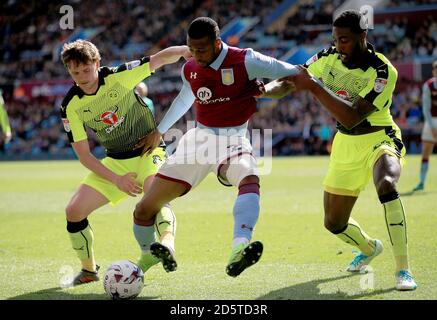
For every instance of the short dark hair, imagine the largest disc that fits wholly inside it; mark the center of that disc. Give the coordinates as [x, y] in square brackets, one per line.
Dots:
[79, 51]
[203, 27]
[351, 19]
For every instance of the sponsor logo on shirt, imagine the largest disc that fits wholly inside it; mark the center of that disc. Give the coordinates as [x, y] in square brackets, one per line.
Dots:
[108, 117]
[384, 142]
[343, 94]
[204, 94]
[111, 119]
[115, 125]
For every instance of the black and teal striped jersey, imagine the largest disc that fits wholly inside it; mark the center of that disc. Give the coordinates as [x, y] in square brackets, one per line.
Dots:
[374, 82]
[117, 115]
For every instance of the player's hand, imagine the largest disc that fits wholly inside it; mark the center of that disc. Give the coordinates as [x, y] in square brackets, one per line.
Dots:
[302, 80]
[149, 142]
[128, 184]
[261, 89]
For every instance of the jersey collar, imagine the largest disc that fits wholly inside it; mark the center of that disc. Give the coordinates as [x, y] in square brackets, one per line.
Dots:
[219, 60]
[368, 61]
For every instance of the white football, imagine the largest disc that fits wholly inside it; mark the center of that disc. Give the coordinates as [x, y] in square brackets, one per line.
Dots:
[123, 280]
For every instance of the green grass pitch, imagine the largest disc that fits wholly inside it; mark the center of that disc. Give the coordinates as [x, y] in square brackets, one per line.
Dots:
[301, 259]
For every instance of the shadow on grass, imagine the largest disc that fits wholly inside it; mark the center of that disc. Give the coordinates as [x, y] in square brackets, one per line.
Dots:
[58, 293]
[310, 291]
[416, 193]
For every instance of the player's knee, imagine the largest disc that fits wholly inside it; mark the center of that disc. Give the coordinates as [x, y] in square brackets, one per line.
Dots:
[385, 184]
[75, 212]
[145, 211]
[334, 226]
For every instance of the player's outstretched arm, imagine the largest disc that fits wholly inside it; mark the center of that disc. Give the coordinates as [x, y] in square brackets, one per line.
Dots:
[277, 89]
[168, 56]
[126, 183]
[348, 114]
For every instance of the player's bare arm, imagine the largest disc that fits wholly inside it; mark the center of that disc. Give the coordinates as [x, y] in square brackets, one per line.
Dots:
[348, 114]
[168, 56]
[126, 183]
[277, 89]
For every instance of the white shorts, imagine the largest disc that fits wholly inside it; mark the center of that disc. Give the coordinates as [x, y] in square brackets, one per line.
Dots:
[427, 132]
[200, 151]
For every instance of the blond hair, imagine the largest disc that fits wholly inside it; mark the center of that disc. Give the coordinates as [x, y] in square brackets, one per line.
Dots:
[79, 51]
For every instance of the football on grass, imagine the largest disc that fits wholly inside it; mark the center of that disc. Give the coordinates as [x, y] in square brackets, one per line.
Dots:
[123, 280]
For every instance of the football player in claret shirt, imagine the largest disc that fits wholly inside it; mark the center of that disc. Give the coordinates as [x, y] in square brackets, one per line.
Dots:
[220, 81]
[357, 90]
[103, 100]
[429, 131]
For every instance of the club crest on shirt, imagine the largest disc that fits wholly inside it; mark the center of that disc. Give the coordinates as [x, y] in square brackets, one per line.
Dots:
[112, 94]
[227, 76]
[379, 84]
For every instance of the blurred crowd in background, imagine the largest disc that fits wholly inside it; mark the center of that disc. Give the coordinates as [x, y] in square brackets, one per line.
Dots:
[31, 40]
